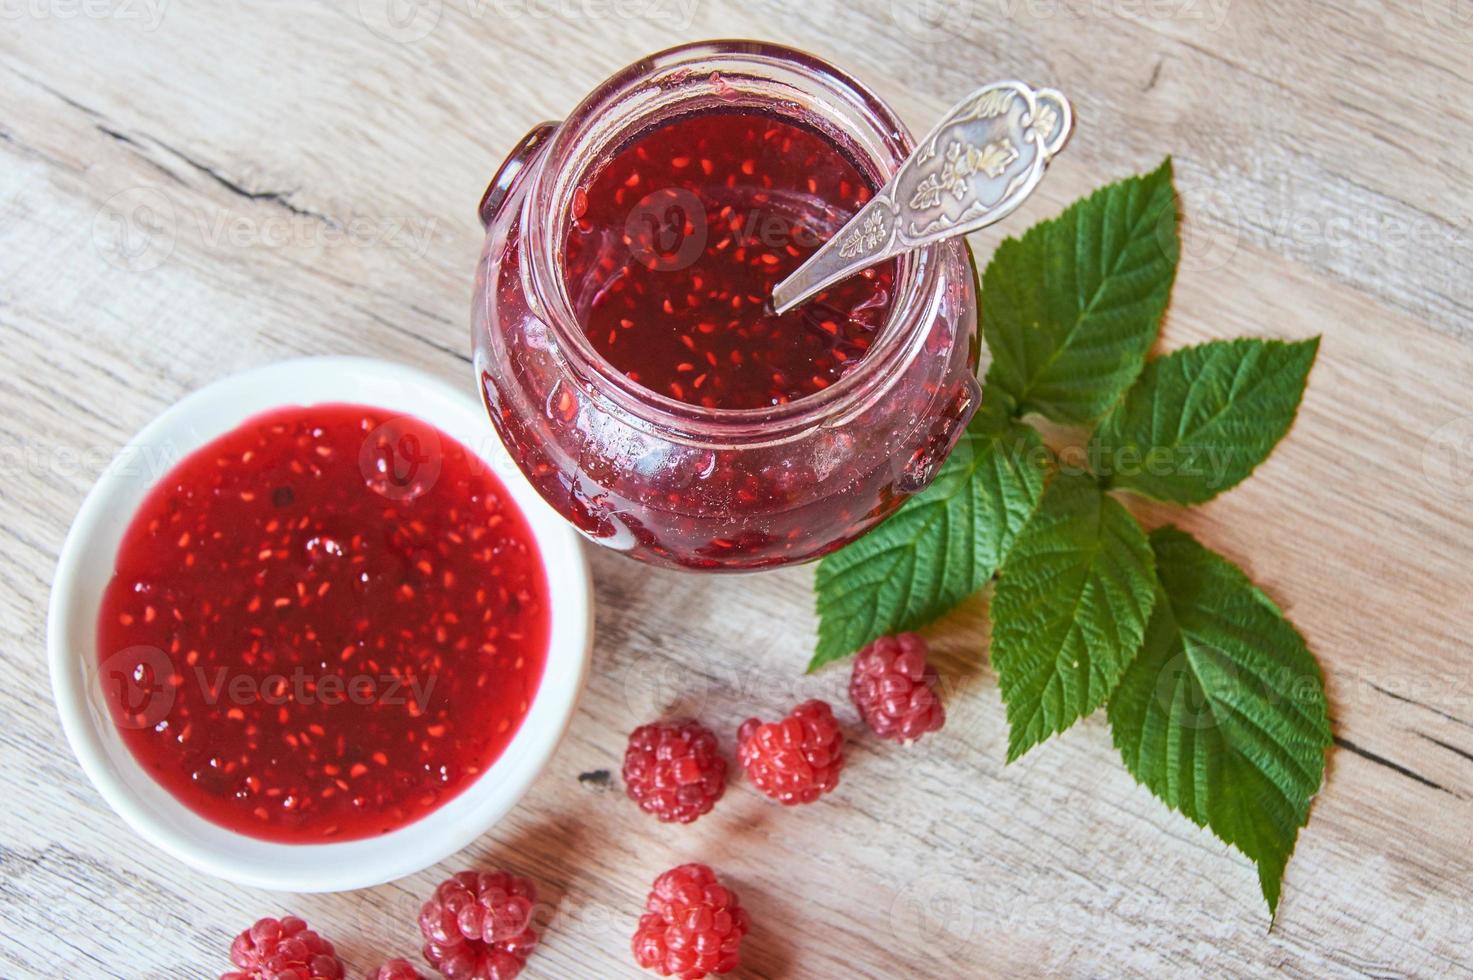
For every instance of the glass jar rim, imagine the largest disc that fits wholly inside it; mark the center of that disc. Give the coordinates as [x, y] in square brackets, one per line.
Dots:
[900, 337]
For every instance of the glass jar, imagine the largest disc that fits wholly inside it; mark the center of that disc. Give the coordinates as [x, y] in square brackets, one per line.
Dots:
[677, 484]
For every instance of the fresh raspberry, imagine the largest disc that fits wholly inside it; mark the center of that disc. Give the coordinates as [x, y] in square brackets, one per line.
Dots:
[795, 760]
[396, 970]
[283, 949]
[478, 926]
[674, 770]
[693, 927]
[894, 689]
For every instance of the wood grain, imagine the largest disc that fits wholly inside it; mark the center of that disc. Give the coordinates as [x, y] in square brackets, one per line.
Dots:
[311, 186]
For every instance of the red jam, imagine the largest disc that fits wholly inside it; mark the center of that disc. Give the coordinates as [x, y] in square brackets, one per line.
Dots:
[323, 625]
[678, 240]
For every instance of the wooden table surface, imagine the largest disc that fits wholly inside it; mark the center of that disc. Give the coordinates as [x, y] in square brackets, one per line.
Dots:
[300, 179]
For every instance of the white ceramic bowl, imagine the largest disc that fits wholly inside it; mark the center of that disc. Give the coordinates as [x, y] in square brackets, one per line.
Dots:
[87, 562]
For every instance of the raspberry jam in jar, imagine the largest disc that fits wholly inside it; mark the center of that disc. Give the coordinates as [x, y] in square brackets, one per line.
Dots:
[744, 197]
[323, 625]
[624, 339]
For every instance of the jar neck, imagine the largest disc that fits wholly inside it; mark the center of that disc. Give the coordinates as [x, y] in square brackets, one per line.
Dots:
[690, 79]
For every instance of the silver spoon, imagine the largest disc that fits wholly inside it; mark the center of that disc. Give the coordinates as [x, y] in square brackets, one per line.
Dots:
[975, 168]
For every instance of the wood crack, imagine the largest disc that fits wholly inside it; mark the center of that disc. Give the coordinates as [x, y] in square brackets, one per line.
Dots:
[24, 148]
[138, 147]
[1155, 75]
[431, 315]
[58, 94]
[444, 349]
[1446, 745]
[1418, 704]
[1395, 767]
[279, 198]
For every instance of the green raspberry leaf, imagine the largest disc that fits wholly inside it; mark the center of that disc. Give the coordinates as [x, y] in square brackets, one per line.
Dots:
[941, 546]
[1071, 309]
[1223, 714]
[1200, 419]
[1070, 610]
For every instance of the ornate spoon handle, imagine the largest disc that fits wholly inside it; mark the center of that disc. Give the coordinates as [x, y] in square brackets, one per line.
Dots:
[973, 169]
